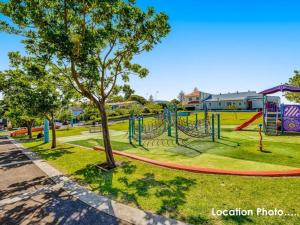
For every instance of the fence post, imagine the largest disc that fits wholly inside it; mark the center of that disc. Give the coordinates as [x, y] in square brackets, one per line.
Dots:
[142, 123]
[187, 120]
[140, 131]
[196, 125]
[169, 123]
[213, 127]
[176, 126]
[219, 126]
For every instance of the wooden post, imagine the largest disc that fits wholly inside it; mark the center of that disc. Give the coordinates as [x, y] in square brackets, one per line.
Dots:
[260, 138]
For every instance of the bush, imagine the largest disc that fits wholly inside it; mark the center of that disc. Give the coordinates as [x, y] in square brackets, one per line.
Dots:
[146, 110]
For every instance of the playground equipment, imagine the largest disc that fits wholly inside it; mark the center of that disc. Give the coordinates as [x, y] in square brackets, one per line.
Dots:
[280, 119]
[95, 129]
[249, 121]
[180, 122]
[25, 131]
[46, 131]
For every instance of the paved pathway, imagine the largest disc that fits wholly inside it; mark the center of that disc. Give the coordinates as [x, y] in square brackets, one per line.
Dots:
[29, 196]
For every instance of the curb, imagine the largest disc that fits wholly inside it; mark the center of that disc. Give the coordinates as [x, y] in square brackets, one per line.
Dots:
[101, 203]
[284, 173]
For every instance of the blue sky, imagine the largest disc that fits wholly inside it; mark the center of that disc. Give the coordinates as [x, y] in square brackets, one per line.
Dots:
[219, 46]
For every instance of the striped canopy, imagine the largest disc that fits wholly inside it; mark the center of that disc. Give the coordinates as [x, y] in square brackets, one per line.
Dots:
[280, 88]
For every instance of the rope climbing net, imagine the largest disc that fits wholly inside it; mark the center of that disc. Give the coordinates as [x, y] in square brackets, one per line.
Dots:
[168, 120]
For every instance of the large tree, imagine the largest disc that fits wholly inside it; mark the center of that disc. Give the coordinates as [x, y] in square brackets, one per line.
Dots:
[294, 81]
[93, 42]
[32, 91]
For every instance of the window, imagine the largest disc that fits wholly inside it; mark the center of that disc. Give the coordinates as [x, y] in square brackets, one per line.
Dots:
[190, 99]
[197, 98]
[229, 103]
[220, 104]
[240, 103]
[209, 104]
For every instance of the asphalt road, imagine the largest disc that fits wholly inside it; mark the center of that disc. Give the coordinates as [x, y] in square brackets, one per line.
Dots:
[28, 196]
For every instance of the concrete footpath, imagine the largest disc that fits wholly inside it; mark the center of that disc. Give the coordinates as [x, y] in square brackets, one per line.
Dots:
[33, 192]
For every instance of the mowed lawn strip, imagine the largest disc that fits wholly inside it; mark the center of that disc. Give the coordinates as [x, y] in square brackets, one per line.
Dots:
[181, 195]
[235, 150]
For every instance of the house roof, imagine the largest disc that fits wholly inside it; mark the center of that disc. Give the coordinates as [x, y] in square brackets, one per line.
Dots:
[193, 94]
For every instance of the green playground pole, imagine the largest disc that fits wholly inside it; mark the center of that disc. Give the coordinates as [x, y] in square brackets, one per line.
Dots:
[140, 131]
[142, 123]
[205, 119]
[187, 121]
[219, 126]
[133, 125]
[129, 131]
[196, 125]
[169, 123]
[213, 127]
[176, 127]
[165, 119]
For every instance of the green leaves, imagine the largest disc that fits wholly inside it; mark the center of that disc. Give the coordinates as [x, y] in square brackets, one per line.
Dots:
[99, 38]
[295, 81]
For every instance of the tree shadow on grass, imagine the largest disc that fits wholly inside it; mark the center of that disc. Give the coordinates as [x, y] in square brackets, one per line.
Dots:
[239, 220]
[52, 153]
[170, 192]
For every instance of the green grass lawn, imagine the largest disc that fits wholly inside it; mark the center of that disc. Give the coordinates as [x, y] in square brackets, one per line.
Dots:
[181, 195]
[235, 150]
[227, 118]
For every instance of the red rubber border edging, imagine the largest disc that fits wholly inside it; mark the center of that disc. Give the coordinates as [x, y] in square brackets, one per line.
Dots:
[284, 173]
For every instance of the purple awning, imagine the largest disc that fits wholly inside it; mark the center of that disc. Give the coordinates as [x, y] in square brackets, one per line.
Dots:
[280, 88]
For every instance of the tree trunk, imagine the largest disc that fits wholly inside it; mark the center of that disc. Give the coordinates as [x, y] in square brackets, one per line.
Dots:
[29, 129]
[53, 127]
[106, 139]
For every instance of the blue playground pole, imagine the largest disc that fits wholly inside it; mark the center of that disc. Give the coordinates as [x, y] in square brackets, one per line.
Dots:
[72, 122]
[46, 131]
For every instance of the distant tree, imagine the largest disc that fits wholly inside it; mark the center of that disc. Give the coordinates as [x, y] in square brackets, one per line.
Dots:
[115, 98]
[93, 43]
[294, 81]
[127, 91]
[65, 115]
[139, 99]
[181, 96]
[175, 101]
[151, 98]
[196, 89]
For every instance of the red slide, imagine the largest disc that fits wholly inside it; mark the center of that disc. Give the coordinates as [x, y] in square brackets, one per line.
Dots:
[249, 121]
